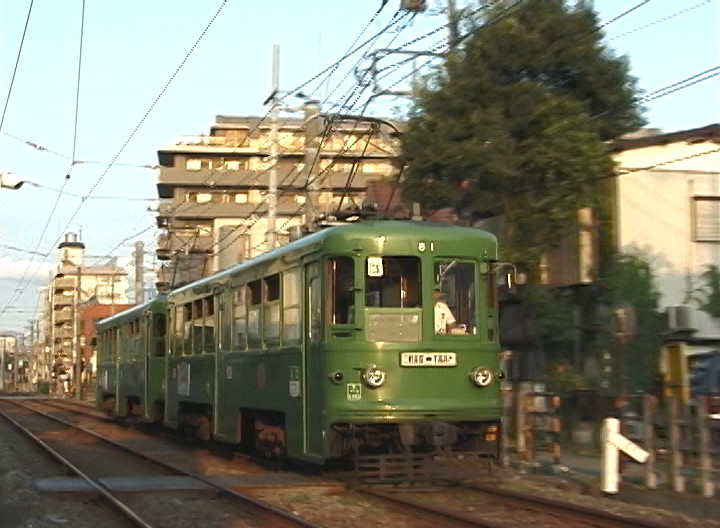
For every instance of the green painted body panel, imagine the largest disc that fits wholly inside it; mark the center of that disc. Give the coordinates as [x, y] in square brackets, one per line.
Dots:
[294, 379]
[131, 368]
[199, 389]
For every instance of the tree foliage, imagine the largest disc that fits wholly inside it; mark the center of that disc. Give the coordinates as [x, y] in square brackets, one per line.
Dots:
[514, 123]
[631, 283]
[707, 297]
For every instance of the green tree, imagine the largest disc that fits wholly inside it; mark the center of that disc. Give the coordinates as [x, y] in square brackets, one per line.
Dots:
[630, 283]
[515, 121]
[707, 297]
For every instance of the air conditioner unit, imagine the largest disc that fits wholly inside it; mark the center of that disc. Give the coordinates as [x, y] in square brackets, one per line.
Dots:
[680, 318]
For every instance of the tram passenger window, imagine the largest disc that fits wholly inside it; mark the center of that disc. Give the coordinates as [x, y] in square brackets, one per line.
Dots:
[239, 318]
[341, 276]
[291, 305]
[178, 335]
[187, 328]
[315, 310]
[209, 316]
[395, 284]
[197, 326]
[454, 298]
[254, 330]
[271, 312]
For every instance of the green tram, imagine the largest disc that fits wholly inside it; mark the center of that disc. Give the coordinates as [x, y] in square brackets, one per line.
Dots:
[131, 364]
[371, 337]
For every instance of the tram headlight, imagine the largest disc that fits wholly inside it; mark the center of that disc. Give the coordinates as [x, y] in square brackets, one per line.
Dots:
[373, 377]
[481, 376]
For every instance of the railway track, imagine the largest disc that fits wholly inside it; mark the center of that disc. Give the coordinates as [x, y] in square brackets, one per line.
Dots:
[508, 509]
[149, 509]
[498, 509]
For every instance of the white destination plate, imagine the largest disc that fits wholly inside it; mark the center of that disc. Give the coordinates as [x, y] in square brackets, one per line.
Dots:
[428, 359]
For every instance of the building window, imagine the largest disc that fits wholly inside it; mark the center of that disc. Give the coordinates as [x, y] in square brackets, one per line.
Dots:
[706, 218]
[241, 198]
[193, 164]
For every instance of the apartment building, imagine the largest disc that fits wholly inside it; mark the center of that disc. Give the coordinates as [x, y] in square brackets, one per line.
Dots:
[214, 189]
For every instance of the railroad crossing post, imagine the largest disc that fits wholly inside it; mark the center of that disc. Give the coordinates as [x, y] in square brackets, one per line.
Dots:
[612, 443]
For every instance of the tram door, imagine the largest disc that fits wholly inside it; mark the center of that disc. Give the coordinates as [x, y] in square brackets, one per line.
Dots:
[312, 360]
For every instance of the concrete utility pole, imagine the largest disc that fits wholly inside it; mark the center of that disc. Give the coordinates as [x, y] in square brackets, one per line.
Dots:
[271, 233]
[452, 24]
[2, 363]
[139, 273]
[313, 126]
[76, 327]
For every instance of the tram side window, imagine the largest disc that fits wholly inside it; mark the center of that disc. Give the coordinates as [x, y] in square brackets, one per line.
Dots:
[271, 311]
[159, 329]
[455, 298]
[240, 318]
[187, 328]
[394, 284]
[178, 330]
[209, 317]
[255, 294]
[315, 310]
[291, 305]
[341, 275]
[198, 325]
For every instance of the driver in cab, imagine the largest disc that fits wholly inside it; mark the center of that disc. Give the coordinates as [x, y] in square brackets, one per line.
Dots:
[445, 322]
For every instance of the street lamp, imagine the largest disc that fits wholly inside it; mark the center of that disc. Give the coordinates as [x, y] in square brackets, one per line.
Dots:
[9, 180]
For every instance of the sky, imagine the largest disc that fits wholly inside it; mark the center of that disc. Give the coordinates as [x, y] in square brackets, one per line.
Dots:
[131, 49]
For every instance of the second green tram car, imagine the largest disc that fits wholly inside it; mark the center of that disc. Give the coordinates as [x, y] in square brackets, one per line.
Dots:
[131, 365]
[371, 337]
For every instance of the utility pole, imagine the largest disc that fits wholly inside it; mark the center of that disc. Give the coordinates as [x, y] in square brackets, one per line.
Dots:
[139, 273]
[51, 317]
[271, 233]
[76, 327]
[312, 157]
[2, 363]
[452, 24]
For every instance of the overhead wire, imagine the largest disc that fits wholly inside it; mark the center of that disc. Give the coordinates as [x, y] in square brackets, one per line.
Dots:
[21, 286]
[18, 291]
[17, 63]
[332, 68]
[659, 20]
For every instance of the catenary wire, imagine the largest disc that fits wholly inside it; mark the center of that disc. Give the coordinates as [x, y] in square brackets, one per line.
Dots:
[17, 63]
[18, 291]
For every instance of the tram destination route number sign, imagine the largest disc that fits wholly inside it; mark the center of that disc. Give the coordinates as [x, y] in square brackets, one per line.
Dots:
[428, 359]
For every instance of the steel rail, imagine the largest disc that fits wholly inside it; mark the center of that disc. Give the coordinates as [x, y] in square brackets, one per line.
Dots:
[458, 517]
[257, 504]
[599, 518]
[106, 494]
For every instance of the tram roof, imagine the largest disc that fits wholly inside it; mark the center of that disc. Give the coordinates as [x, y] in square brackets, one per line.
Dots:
[133, 312]
[334, 238]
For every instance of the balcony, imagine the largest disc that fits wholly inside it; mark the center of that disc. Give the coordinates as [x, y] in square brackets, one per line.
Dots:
[258, 176]
[63, 300]
[63, 316]
[184, 241]
[64, 284]
[63, 333]
[208, 211]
